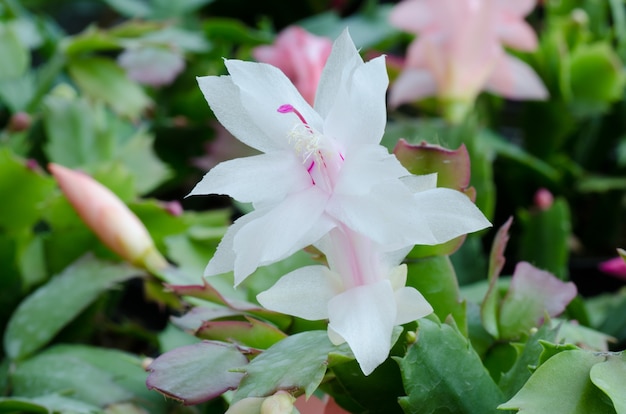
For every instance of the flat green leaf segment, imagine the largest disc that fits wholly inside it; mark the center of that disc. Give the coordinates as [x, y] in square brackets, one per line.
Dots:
[610, 377]
[443, 374]
[46, 404]
[562, 385]
[297, 362]
[46, 311]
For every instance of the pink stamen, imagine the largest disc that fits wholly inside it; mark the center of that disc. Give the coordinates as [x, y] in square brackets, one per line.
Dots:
[286, 108]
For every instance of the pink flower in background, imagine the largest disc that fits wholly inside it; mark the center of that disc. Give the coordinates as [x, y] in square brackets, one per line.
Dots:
[459, 50]
[616, 266]
[300, 55]
[109, 218]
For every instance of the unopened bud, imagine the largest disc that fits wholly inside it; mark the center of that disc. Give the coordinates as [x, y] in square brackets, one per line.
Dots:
[543, 199]
[109, 218]
[279, 403]
[20, 121]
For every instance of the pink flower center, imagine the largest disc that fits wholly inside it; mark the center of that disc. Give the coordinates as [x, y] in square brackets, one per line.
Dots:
[318, 153]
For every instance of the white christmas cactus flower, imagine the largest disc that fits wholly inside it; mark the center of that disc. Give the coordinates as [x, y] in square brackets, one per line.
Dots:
[362, 293]
[321, 167]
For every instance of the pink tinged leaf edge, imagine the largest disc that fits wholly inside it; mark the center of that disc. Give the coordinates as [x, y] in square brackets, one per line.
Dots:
[196, 373]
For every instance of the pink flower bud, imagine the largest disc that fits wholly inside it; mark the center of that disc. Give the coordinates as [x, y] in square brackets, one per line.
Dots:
[109, 218]
[614, 267]
[543, 199]
[20, 121]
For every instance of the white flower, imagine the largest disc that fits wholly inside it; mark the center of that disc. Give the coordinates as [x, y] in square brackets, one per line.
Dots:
[362, 293]
[320, 168]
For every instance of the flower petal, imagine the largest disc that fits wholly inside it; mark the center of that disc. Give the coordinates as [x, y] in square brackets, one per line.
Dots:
[364, 316]
[304, 293]
[514, 79]
[417, 183]
[517, 7]
[224, 99]
[280, 231]
[358, 115]
[258, 178]
[448, 213]
[263, 89]
[518, 34]
[411, 305]
[412, 15]
[412, 85]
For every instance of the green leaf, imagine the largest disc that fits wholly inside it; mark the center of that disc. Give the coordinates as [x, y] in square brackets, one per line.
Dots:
[103, 80]
[545, 237]
[131, 8]
[15, 56]
[24, 191]
[12, 405]
[443, 374]
[70, 128]
[62, 373]
[434, 277]
[196, 373]
[297, 362]
[513, 380]
[562, 386]
[45, 312]
[610, 377]
[251, 332]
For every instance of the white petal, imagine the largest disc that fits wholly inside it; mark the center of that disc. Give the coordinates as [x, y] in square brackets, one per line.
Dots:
[343, 57]
[263, 89]
[515, 79]
[412, 85]
[365, 167]
[286, 228]
[224, 99]
[397, 277]
[411, 305]
[304, 293]
[417, 183]
[364, 316]
[448, 213]
[358, 115]
[257, 178]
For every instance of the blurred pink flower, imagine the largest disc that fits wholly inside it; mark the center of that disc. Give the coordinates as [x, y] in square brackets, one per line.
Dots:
[300, 55]
[109, 218]
[459, 50]
[614, 267]
[543, 199]
[314, 405]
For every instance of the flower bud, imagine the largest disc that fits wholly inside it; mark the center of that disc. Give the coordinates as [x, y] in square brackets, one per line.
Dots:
[279, 403]
[109, 218]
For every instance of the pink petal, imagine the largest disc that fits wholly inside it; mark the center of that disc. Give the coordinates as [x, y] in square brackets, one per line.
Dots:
[411, 15]
[410, 86]
[517, 34]
[614, 267]
[517, 7]
[515, 79]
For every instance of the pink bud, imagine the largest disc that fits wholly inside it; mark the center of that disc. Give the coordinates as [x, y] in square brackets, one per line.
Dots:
[109, 218]
[174, 208]
[614, 267]
[543, 199]
[300, 55]
[20, 121]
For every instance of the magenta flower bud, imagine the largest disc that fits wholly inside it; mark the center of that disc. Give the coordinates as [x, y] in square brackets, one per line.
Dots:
[543, 199]
[109, 218]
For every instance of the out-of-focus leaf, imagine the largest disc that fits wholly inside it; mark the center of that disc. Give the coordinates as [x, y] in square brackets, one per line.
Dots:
[298, 361]
[48, 374]
[103, 80]
[46, 404]
[131, 8]
[234, 31]
[545, 236]
[442, 373]
[549, 390]
[15, 56]
[16, 93]
[42, 315]
[23, 190]
[489, 306]
[251, 332]
[610, 376]
[435, 279]
[196, 373]
[184, 39]
[90, 41]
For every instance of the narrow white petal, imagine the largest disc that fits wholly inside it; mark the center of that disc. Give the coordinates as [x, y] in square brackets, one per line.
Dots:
[411, 305]
[448, 213]
[343, 56]
[358, 115]
[263, 89]
[224, 99]
[256, 179]
[364, 316]
[286, 228]
[304, 293]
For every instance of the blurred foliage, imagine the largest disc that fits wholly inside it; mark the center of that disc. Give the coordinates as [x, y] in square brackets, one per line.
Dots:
[80, 325]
